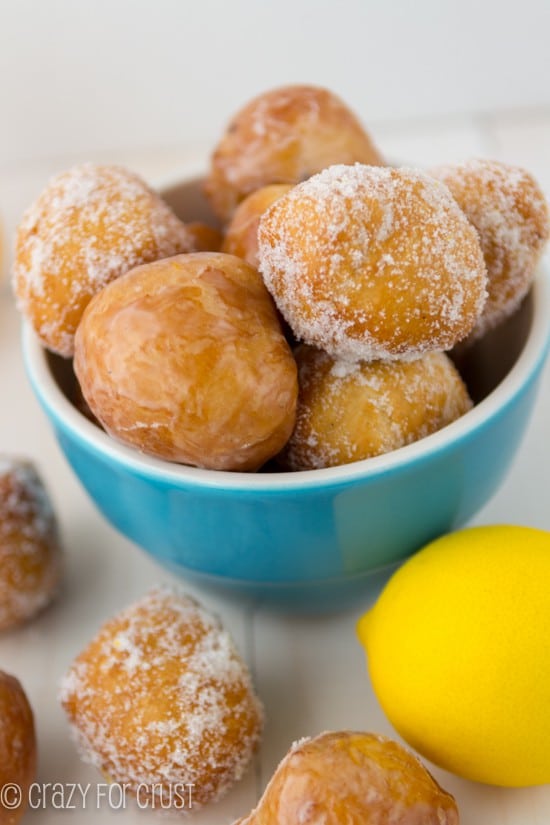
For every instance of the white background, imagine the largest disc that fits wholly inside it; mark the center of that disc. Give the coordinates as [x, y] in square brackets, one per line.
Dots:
[118, 74]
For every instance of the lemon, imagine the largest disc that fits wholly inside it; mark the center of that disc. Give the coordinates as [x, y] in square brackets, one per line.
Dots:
[458, 648]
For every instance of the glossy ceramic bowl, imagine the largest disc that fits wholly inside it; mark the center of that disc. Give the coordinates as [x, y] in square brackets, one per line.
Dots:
[317, 539]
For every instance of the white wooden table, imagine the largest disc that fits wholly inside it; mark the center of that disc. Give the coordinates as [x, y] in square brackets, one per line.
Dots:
[310, 672]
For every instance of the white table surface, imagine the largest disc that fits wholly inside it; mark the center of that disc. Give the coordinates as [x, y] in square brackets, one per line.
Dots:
[310, 672]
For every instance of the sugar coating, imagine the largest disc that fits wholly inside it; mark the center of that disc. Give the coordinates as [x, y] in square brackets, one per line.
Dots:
[510, 213]
[162, 697]
[90, 225]
[30, 564]
[373, 263]
[348, 411]
[27, 499]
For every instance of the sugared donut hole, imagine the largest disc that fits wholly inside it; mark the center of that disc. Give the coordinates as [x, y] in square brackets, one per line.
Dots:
[90, 225]
[30, 551]
[160, 698]
[348, 412]
[509, 211]
[372, 263]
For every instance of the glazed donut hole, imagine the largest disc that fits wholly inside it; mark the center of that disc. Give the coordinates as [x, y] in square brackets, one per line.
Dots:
[185, 359]
[241, 235]
[284, 135]
[352, 778]
[510, 214]
[160, 698]
[17, 744]
[30, 549]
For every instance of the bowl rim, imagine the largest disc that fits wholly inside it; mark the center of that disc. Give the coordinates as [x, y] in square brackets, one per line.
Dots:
[63, 413]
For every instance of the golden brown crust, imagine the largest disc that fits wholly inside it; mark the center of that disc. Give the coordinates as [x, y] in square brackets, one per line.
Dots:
[241, 237]
[160, 698]
[17, 746]
[352, 778]
[90, 225]
[204, 238]
[30, 551]
[348, 412]
[373, 263]
[284, 136]
[509, 211]
[185, 359]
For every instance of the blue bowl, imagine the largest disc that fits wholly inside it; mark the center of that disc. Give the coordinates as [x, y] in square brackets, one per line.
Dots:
[312, 540]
